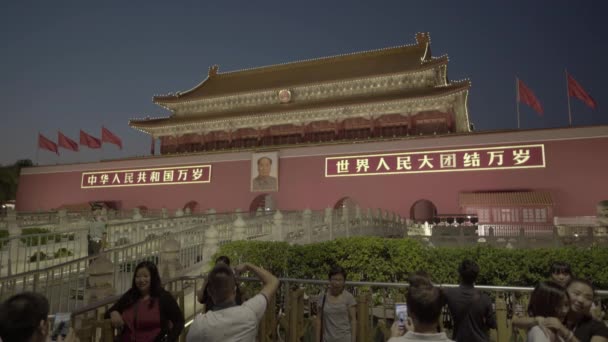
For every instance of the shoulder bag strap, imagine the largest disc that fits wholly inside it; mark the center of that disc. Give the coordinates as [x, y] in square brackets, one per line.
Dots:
[321, 314]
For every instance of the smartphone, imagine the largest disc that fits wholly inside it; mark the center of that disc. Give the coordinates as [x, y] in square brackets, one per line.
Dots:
[401, 314]
[61, 325]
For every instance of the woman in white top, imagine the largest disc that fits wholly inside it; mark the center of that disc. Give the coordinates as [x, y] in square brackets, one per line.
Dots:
[337, 317]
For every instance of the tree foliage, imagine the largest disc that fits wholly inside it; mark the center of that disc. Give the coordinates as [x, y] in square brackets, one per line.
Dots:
[9, 179]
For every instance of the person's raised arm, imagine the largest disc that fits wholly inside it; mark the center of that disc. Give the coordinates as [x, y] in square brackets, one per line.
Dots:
[270, 282]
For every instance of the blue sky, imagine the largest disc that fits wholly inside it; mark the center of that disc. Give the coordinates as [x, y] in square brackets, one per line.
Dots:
[71, 65]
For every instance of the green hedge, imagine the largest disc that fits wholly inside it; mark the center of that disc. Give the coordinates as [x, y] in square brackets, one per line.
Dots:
[390, 260]
[34, 241]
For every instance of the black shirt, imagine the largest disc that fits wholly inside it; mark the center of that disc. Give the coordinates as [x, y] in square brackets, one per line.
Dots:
[589, 327]
[472, 313]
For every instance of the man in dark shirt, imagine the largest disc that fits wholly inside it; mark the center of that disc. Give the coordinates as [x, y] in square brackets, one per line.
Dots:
[471, 310]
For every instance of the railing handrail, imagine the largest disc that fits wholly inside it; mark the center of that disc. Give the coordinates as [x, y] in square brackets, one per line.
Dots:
[29, 236]
[383, 284]
[87, 258]
[494, 288]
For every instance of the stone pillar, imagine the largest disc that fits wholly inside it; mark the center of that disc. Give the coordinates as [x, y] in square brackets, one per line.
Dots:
[104, 213]
[211, 243]
[169, 265]
[277, 226]
[136, 214]
[357, 212]
[164, 213]
[62, 214]
[188, 211]
[307, 224]
[179, 212]
[211, 215]
[100, 279]
[259, 212]
[345, 220]
[239, 227]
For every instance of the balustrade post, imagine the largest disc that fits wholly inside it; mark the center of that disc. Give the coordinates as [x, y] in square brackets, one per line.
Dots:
[277, 226]
[14, 231]
[211, 243]
[345, 220]
[136, 214]
[164, 213]
[62, 215]
[104, 214]
[601, 231]
[211, 214]
[188, 211]
[100, 279]
[307, 224]
[328, 220]
[169, 265]
[179, 212]
[239, 227]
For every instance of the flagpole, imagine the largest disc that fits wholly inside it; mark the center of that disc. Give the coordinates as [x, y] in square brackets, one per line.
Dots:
[517, 100]
[568, 97]
[37, 147]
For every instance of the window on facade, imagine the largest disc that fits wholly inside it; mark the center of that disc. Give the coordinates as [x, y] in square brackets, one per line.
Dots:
[483, 215]
[541, 215]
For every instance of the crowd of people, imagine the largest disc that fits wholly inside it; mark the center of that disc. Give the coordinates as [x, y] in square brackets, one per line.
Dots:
[559, 310]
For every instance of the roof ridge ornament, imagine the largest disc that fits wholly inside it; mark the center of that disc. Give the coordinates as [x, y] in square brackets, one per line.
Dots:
[213, 70]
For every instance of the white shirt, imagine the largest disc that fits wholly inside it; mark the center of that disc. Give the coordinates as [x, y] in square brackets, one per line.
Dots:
[412, 336]
[235, 324]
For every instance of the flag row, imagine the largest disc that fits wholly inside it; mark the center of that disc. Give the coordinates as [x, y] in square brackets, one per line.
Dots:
[85, 140]
[526, 96]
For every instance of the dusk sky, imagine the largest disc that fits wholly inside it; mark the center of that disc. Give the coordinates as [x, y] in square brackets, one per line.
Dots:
[71, 65]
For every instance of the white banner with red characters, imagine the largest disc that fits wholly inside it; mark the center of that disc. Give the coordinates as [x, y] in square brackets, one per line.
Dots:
[141, 177]
[456, 160]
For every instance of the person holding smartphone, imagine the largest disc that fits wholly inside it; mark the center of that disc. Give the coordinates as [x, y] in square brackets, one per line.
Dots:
[24, 317]
[337, 317]
[423, 304]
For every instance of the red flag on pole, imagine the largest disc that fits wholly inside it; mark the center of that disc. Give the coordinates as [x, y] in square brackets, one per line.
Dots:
[525, 95]
[576, 90]
[46, 144]
[109, 137]
[89, 140]
[66, 142]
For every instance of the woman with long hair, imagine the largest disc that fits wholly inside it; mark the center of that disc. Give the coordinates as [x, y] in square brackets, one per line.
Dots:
[147, 312]
[549, 299]
[578, 325]
[337, 315]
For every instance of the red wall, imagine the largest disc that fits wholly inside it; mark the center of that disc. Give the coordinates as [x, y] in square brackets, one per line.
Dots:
[576, 175]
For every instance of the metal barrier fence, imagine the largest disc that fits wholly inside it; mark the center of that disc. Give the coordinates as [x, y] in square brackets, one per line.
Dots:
[290, 317]
[26, 253]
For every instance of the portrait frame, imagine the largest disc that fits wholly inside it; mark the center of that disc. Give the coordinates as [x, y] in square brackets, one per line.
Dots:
[268, 182]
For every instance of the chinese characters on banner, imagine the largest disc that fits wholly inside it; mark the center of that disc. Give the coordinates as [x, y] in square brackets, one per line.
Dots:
[486, 158]
[140, 177]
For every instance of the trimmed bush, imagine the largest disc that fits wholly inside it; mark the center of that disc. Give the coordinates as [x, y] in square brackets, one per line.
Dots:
[391, 260]
[63, 252]
[38, 256]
